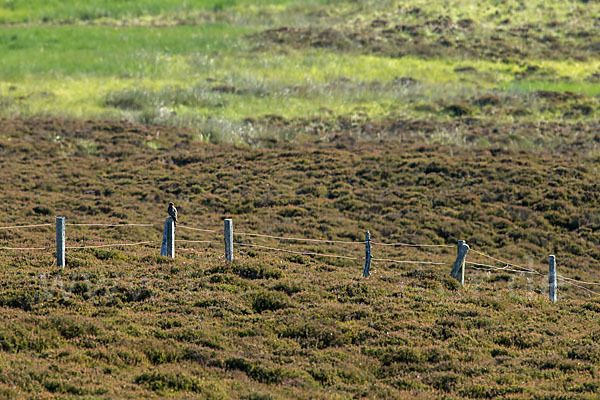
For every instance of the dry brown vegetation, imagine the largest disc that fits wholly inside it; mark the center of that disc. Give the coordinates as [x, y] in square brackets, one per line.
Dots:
[422, 122]
[123, 322]
[429, 32]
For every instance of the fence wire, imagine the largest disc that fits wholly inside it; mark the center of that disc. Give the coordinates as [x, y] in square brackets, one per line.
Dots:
[193, 241]
[23, 226]
[505, 268]
[23, 248]
[410, 245]
[508, 267]
[503, 262]
[111, 225]
[577, 281]
[196, 229]
[407, 262]
[295, 252]
[579, 287]
[296, 239]
[524, 270]
[110, 245]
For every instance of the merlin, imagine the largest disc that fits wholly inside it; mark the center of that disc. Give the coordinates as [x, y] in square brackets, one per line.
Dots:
[172, 212]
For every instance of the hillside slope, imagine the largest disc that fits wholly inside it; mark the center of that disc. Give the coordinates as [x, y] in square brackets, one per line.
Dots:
[124, 322]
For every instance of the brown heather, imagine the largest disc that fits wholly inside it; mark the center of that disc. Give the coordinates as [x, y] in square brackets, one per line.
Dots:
[126, 323]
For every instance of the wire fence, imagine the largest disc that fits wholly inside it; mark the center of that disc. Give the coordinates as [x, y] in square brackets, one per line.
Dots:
[306, 253]
[23, 226]
[476, 265]
[196, 229]
[23, 248]
[110, 245]
[112, 225]
[408, 262]
[297, 239]
[503, 262]
[411, 245]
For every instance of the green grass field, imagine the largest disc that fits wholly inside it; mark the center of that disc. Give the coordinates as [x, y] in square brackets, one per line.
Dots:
[190, 64]
[73, 11]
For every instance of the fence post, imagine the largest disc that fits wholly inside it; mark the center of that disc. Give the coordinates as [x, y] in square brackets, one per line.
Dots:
[552, 288]
[458, 269]
[60, 242]
[167, 248]
[368, 255]
[170, 237]
[229, 240]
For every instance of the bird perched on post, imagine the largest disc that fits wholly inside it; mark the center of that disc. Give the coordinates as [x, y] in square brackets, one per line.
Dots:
[172, 213]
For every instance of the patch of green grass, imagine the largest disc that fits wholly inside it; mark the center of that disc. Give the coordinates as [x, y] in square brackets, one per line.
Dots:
[15, 11]
[373, 61]
[214, 77]
[104, 52]
[581, 87]
[192, 90]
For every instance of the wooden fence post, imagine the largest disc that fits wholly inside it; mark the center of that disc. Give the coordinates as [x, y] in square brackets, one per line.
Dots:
[167, 247]
[170, 237]
[229, 240]
[163, 246]
[458, 269]
[552, 288]
[60, 242]
[368, 255]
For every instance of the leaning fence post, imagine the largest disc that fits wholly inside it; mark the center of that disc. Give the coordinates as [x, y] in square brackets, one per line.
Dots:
[229, 240]
[368, 255]
[552, 288]
[60, 242]
[458, 269]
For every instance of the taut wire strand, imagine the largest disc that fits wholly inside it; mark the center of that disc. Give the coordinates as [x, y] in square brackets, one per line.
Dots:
[110, 225]
[196, 229]
[412, 245]
[408, 262]
[296, 252]
[580, 287]
[23, 226]
[502, 262]
[577, 281]
[194, 241]
[23, 248]
[296, 239]
[110, 245]
[491, 267]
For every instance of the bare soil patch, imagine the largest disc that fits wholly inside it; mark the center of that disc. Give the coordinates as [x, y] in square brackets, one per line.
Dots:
[441, 36]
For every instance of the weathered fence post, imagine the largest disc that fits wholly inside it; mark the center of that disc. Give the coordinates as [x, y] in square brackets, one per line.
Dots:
[229, 240]
[60, 242]
[167, 247]
[458, 269]
[552, 288]
[368, 255]
[171, 238]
